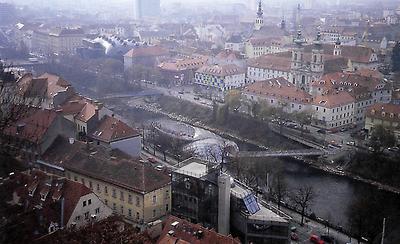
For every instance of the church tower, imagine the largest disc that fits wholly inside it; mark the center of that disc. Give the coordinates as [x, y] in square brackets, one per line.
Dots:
[259, 19]
[297, 75]
[317, 58]
[337, 49]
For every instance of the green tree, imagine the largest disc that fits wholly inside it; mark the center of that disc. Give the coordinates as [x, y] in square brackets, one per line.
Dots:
[381, 138]
[396, 57]
[233, 99]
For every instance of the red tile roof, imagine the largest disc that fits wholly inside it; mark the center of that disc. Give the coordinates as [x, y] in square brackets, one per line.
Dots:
[333, 99]
[279, 88]
[357, 54]
[115, 167]
[146, 51]
[184, 64]
[384, 111]
[81, 108]
[33, 125]
[111, 129]
[272, 62]
[36, 188]
[221, 70]
[182, 231]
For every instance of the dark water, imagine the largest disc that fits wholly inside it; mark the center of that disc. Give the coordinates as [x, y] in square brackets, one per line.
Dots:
[333, 194]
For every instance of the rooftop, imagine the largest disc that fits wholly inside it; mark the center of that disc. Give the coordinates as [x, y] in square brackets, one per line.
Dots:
[221, 70]
[177, 230]
[111, 129]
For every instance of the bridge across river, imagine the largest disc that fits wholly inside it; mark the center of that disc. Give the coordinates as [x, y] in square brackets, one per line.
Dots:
[281, 153]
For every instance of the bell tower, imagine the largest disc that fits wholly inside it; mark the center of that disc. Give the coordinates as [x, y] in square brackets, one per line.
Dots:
[317, 58]
[259, 19]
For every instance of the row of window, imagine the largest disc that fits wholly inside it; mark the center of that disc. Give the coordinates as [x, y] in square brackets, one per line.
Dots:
[86, 215]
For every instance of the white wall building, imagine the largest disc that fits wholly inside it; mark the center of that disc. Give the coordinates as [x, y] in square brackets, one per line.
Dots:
[221, 77]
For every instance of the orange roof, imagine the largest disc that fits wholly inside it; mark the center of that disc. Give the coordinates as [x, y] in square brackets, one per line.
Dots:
[221, 70]
[33, 125]
[185, 232]
[82, 108]
[111, 129]
[271, 62]
[333, 99]
[351, 79]
[146, 51]
[279, 88]
[385, 111]
[184, 64]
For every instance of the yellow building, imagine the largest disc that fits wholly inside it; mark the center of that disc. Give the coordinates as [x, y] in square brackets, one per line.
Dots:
[387, 115]
[133, 189]
[129, 186]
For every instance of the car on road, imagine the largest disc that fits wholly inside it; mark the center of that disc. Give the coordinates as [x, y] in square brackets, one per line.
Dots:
[196, 98]
[316, 240]
[321, 131]
[351, 143]
[152, 160]
[180, 92]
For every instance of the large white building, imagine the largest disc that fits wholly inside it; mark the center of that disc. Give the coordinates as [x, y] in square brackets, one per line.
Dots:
[221, 77]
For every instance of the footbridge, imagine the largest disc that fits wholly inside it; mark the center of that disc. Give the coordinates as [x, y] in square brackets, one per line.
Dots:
[281, 153]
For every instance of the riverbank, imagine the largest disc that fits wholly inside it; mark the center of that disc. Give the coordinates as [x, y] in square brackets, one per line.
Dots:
[169, 106]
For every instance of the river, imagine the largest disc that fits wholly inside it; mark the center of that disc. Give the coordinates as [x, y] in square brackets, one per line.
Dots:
[333, 194]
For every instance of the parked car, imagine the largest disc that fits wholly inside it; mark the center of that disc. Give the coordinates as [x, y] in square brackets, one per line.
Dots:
[328, 239]
[294, 236]
[350, 143]
[321, 131]
[152, 160]
[316, 240]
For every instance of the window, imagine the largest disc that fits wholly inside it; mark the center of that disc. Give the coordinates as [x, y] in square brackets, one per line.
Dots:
[130, 198]
[114, 206]
[166, 207]
[154, 213]
[114, 193]
[97, 210]
[122, 209]
[122, 196]
[89, 201]
[137, 215]
[138, 201]
[98, 187]
[166, 194]
[90, 185]
[84, 203]
[86, 215]
[83, 181]
[154, 199]
[77, 218]
[130, 212]
[106, 201]
[105, 190]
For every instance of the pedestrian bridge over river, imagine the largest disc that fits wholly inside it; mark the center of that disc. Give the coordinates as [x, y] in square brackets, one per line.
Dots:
[281, 153]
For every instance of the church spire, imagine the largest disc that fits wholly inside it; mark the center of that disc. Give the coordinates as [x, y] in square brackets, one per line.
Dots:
[259, 10]
[259, 19]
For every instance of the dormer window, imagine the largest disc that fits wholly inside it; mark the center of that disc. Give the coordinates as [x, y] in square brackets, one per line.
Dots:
[383, 114]
[43, 196]
[391, 115]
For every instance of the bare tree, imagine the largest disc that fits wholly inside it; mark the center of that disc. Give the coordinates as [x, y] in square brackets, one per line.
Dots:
[303, 198]
[279, 188]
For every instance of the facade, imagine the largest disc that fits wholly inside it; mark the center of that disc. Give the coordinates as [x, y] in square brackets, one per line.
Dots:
[58, 41]
[278, 92]
[182, 70]
[115, 134]
[387, 115]
[145, 55]
[256, 47]
[199, 185]
[51, 203]
[194, 189]
[334, 109]
[220, 77]
[130, 187]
